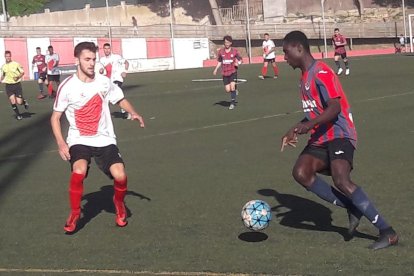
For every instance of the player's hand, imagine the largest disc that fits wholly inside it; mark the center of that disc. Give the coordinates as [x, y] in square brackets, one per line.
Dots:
[290, 139]
[16, 78]
[64, 151]
[137, 117]
[123, 74]
[215, 72]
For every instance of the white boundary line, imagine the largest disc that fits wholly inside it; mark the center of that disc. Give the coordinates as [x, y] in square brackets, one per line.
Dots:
[205, 80]
[122, 272]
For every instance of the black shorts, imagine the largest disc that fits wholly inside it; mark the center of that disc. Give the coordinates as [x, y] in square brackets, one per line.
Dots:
[270, 60]
[55, 78]
[104, 157]
[119, 83]
[343, 55]
[340, 148]
[14, 89]
[229, 79]
[42, 76]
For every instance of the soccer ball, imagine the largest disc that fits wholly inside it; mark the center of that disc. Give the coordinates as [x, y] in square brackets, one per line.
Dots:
[256, 215]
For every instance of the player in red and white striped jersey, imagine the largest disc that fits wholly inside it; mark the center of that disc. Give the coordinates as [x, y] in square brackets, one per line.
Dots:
[84, 97]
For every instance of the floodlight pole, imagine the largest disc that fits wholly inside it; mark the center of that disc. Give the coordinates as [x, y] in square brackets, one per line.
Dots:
[411, 32]
[324, 29]
[404, 24]
[108, 23]
[172, 34]
[249, 45]
[3, 3]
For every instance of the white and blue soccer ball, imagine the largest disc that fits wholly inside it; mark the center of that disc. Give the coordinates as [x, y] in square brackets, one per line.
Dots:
[256, 215]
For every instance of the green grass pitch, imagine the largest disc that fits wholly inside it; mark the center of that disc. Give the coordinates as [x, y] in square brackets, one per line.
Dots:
[192, 169]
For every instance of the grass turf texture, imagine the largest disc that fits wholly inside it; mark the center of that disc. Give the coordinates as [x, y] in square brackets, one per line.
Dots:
[193, 168]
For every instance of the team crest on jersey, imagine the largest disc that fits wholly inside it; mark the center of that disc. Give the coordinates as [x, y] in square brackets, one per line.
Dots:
[307, 85]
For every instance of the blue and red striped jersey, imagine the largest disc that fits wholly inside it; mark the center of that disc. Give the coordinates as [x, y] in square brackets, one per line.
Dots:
[228, 60]
[319, 84]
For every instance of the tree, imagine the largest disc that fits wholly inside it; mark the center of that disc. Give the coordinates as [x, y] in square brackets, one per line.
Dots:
[23, 7]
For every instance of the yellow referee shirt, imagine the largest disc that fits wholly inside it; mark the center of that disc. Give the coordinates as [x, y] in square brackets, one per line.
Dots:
[10, 71]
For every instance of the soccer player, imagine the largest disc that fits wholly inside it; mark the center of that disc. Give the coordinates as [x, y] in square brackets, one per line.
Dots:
[53, 72]
[339, 42]
[39, 61]
[269, 56]
[116, 68]
[12, 73]
[85, 98]
[229, 59]
[332, 140]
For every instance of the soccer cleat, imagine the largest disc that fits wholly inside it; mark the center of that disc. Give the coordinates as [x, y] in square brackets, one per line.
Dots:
[71, 222]
[347, 71]
[19, 117]
[41, 97]
[232, 106]
[121, 213]
[354, 216]
[340, 70]
[26, 105]
[387, 237]
[275, 77]
[261, 77]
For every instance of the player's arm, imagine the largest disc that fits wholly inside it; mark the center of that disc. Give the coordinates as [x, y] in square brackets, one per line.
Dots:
[127, 106]
[57, 132]
[217, 67]
[126, 65]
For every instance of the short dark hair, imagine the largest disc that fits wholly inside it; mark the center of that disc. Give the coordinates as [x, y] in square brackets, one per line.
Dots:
[266, 34]
[50, 47]
[228, 38]
[37, 48]
[336, 29]
[107, 44]
[297, 37]
[84, 46]
[7, 52]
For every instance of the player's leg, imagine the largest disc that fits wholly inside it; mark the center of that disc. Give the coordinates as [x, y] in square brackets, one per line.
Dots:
[109, 160]
[80, 159]
[275, 69]
[264, 69]
[338, 65]
[13, 102]
[315, 160]
[345, 59]
[40, 83]
[233, 91]
[341, 166]
[18, 91]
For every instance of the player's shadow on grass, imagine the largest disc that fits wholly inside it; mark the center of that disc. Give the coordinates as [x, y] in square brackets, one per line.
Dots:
[101, 201]
[223, 103]
[301, 213]
[27, 114]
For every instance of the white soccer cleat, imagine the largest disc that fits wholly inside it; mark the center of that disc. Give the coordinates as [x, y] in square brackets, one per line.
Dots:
[231, 107]
[261, 77]
[340, 70]
[347, 71]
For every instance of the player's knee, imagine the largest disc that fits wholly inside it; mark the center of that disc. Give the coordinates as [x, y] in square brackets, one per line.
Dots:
[302, 176]
[344, 184]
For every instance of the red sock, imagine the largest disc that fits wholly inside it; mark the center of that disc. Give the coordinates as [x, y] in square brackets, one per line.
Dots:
[76, 191]
[120, 189]
[264, 71]
[276, 70]
[50, 89]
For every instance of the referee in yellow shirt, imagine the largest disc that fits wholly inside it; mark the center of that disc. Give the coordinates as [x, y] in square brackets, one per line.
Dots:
[12, 73]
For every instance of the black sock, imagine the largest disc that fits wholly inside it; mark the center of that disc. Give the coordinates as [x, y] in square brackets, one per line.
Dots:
[337, 64]
[15, 109]
[328, 193]
[362, 202]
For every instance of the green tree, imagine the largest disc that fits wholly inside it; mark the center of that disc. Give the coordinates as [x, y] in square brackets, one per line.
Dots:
[23, 7]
